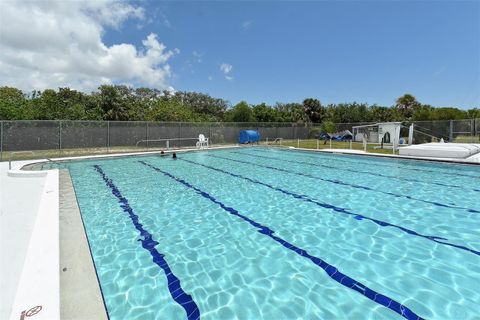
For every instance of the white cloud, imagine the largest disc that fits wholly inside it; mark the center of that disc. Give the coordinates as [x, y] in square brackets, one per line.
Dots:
[49, 44]
[210, 78]
[226, 68]
[198, 56]
[247, 24]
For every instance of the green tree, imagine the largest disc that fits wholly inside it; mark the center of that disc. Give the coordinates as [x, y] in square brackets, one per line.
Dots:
[328, 127]
[349, 113]
[203, 104]
[113, 103]
[241, 112]
[473, 113]
[449, 114]
[12, 103]
[291, 112]
[264, 113]
[171, 110]
[406, 105]
[382, 114]
[314, 110]
[422, 112]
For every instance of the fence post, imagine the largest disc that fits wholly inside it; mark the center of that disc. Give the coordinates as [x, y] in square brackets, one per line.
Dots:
[147, 135]
[108, 136]
[475, 124]
[450, 136]
[179, 134]
[1, 140]
[472, 130]
[210, 133]
[60, 137]
[298, 143]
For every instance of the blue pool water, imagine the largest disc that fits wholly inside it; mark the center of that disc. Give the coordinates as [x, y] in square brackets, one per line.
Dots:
[256, 233]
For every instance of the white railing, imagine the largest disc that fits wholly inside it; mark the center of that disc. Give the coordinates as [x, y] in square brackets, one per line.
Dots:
[16, 152]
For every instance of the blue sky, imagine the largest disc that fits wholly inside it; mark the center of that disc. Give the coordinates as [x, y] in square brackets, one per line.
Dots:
[336, 51]
[366, 51]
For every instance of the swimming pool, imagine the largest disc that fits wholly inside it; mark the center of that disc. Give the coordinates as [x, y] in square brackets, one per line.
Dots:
[256, 233]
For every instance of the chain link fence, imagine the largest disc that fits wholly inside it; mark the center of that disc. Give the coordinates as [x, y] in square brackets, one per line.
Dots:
[67, 138]
[44, 139]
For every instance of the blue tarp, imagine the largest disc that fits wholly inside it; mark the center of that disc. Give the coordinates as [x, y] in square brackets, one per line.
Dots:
[248, 136]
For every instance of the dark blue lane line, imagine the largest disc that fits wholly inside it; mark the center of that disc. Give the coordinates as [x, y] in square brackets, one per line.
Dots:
[346, 184]
[174, 286]
[396, 165]
[331, 270]
[336, 209]
[376, 174]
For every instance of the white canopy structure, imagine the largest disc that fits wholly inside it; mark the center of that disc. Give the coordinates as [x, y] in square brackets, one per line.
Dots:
[441, 150]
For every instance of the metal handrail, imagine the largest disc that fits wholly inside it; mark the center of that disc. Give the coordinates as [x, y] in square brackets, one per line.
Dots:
[55, 162]
[15, 152]
[275, 141]
[171, 139]
[421, 132]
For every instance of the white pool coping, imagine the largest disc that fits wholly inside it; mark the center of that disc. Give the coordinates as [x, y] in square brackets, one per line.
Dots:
[18, 165]
[475, 159]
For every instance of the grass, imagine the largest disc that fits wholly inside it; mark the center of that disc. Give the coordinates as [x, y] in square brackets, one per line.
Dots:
[467, 139]
[308, 144]
[312, 144]
[64, 153]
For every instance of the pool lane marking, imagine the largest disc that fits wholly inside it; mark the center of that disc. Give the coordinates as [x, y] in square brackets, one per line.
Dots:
[331, 271]
[377, 163]
[174, 286]
[376, 174]
[357, 216]
[346, 184]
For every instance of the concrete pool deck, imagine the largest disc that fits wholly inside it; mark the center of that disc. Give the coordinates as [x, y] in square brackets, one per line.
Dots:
[81, 296]
[29, 244]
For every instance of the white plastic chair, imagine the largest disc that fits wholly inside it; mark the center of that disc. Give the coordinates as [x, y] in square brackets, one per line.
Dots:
[202, 141]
